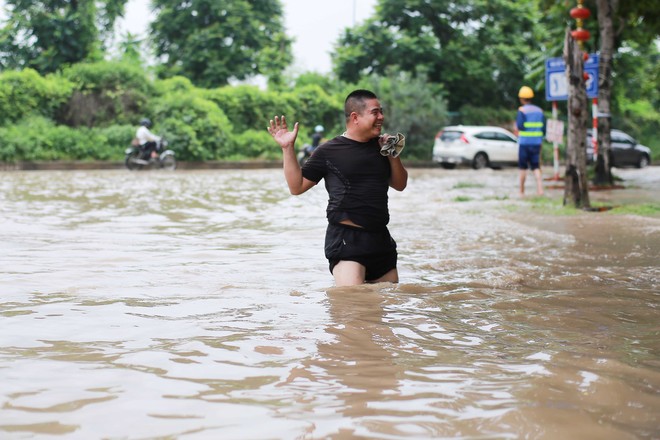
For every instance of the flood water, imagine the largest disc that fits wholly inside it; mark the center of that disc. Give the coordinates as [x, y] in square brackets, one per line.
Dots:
[198, 304]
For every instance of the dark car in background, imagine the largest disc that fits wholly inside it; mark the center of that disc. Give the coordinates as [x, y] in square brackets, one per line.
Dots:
[626, 151]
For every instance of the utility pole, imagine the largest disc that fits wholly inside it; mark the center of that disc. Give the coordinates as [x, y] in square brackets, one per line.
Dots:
[354, 1]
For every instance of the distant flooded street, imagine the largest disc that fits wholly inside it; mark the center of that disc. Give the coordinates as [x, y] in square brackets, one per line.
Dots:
[198, 304]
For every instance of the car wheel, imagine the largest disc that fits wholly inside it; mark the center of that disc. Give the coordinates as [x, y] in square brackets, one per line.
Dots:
[643, 161]
[480, 161]
[448, 166]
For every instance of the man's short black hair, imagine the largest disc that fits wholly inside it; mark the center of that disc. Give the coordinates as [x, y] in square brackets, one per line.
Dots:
[356, 101]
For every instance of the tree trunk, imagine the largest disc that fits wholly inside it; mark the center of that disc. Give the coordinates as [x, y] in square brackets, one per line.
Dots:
[576, 189]
[606, 10]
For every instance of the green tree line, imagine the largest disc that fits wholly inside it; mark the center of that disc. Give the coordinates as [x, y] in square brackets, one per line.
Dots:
[63, 95]
[89, 111]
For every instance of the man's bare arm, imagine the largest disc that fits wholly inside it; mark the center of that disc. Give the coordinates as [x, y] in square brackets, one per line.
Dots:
[287, 140]
[399, 176]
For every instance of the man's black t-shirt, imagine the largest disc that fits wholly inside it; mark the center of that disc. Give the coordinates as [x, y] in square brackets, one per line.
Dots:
[357, 180]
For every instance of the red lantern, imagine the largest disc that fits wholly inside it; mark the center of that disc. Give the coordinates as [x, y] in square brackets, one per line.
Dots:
[580, 34]
[580, 13]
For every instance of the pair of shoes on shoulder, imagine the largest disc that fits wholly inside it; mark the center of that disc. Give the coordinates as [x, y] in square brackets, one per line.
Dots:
[392, 145]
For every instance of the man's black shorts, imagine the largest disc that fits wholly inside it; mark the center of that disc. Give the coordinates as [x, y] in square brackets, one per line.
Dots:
[375, 250]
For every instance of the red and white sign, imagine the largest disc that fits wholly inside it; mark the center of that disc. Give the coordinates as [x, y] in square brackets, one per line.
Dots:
[554, 131]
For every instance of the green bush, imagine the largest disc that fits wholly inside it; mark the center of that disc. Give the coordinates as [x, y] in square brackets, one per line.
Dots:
[499, 117]
[38, 139]
[29, 139]
[79, 144]
[176, 84]
[248, 107]
[642, 121]
[313, 106]
[548, 154]
[118, 138]
[195, 128]
[256, 144]
[315, 78]
[26, 92]
[106, 93]
[109, 75]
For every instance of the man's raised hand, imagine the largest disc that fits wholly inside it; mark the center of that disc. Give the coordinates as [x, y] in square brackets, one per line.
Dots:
[279, 131]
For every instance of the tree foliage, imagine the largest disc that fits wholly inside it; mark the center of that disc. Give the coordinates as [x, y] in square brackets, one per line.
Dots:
[480, 50]
[633, 21]
[635, 61]
[195, 127]
[214, 41]
[248, 107]
[637, 109]
[39, 138]
[105, 93]
[25, 92]
[48, 34]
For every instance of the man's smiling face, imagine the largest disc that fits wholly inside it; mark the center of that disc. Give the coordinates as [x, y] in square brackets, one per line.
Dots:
[370, 120]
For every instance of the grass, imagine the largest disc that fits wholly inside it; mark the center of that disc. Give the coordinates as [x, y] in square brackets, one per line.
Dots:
[545, 205]
[644, 209]
[505, 197]
[555, 207]
[461, 185]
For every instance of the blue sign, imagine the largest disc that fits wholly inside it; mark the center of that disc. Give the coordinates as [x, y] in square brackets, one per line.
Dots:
[556, 87]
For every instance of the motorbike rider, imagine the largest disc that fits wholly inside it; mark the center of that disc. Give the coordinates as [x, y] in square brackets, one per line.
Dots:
[308, 149]
[317, 136]
[147, 141]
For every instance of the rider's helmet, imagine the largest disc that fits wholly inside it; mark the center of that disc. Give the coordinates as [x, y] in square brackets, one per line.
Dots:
[146, 122]
[318, 128]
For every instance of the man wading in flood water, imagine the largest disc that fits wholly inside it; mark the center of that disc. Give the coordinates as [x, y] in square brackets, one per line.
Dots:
[358, 167]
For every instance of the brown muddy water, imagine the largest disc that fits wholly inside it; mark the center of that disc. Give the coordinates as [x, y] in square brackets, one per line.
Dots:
[198, 304]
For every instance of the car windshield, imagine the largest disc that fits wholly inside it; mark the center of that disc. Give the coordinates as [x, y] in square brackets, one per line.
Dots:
[621, 138]
[616, 137]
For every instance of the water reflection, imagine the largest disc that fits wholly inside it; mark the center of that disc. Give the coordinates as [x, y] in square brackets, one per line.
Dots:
[357, 365]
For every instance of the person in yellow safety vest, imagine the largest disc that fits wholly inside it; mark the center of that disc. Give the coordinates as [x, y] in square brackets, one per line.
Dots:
[531, 130]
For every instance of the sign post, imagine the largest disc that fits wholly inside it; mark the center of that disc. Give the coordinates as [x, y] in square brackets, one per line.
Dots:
[555, 134]
[556, 89]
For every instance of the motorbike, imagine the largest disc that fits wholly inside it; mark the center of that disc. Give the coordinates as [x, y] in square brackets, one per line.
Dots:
[304, 153]
[165, 158]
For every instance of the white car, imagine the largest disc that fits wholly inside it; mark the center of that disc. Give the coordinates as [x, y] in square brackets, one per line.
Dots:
[479, 146]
